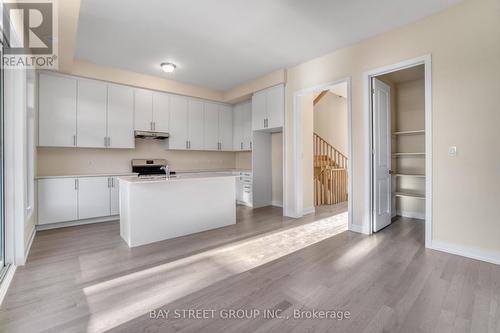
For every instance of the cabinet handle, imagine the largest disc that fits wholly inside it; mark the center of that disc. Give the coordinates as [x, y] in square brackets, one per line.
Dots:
[76, 183]
[151, 125]
[109, 141]
[74, 140]
[264, 122]
[242, 146]
[154, 126]
[250, 144]
[112, 182]
[109, 182]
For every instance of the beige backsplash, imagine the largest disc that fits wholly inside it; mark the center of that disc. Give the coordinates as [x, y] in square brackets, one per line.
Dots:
[243, 160]
[69, 161]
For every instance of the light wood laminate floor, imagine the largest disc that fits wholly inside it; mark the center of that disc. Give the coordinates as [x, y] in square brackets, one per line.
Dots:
[86, 279]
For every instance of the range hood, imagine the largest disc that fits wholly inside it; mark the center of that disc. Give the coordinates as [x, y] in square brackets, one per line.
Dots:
[151, 135]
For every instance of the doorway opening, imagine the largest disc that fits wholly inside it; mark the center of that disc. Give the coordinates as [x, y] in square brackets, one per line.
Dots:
[301, 190]
[400, 145]
[330, 146]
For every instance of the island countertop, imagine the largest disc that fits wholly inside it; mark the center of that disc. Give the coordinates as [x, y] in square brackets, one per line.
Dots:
[177, 177]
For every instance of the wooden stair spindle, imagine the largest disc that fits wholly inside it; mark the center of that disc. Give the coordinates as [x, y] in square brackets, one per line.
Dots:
[330, 173]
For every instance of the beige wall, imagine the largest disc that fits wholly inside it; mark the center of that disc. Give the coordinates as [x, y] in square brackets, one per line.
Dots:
[89, 70]
[68, 161]
[277, 166]
[465, 45]
[243, 160]
[307, 106]
[330, 121]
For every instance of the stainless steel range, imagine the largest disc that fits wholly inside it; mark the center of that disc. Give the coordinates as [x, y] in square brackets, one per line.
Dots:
[151, 168]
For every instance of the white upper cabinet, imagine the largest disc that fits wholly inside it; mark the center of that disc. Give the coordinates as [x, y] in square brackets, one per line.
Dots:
[268, 108]
[143, 110]
[247, 126]
[57, 200]
[259, 110]
[242, 124]
[195, 125]
[161, 112]
[178, 123]
[93, 197]
[211, 127]
[57, 111]
[225, 127]
[120, 117]
[238, 127]
[91, 114]
[275, 106]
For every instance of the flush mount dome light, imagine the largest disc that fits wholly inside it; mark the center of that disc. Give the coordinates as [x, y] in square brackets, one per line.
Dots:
[168, 67]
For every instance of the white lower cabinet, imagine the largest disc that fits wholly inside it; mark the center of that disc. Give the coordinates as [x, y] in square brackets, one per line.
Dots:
[78, 198]
[93, 197]
[244, 192]
[57, 200]
[114, 196]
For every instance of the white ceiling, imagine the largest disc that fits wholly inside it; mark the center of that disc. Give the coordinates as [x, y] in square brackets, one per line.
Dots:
[221, 43]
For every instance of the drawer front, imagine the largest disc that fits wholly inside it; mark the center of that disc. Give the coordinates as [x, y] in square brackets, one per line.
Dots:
[244, 180]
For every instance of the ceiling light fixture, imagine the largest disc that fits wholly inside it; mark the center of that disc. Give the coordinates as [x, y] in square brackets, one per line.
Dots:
[168, 67]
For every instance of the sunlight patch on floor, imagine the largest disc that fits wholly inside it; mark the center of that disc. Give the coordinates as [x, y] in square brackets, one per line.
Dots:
[122, 299]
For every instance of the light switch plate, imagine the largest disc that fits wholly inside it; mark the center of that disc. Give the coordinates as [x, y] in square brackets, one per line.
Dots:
[452, 151]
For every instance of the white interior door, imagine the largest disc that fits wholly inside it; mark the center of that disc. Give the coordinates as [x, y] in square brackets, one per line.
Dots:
[381, 100]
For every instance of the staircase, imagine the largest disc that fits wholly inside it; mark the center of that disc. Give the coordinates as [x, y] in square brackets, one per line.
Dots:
[330, 173]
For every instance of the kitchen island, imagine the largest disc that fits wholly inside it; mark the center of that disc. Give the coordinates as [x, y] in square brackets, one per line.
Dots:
[160, 208]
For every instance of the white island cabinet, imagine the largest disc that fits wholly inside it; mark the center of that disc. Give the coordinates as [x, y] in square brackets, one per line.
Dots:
[153, 210]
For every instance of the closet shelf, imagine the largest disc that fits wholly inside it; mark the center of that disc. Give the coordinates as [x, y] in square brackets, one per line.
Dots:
[409, 132]
[409, 195]
[407, 154]
[409, 175]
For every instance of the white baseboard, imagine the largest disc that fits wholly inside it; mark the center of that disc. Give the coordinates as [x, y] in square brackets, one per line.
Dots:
[7, 279]
[30, 242]
[78, 222]
[465, 251]
[277, 203]
[411, 215]
[309, 210]
[244, 203]
[359, 229]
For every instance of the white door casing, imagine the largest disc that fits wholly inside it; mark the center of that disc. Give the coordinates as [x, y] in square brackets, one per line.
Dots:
[382, 157]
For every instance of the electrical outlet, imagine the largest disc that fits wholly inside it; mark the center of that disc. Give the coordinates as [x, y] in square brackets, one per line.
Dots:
[452, 151]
